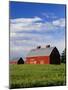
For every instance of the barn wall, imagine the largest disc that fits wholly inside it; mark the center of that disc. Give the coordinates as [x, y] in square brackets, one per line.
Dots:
[55, 57]
[38, 60]
[13, 62]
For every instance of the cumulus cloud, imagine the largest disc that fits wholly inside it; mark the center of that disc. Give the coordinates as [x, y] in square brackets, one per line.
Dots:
[35, 24]
[59, 22]
[24, 20]
[21, 24]
[28, 33]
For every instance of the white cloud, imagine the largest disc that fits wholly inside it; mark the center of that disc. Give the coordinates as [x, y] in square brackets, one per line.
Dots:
[25, 20]
[12, 34]
[22, 24]
[49, 15]
[33, 36]
[32, 40]
[20, 48]
[59, 22]
[34, 24]
[22, 42]
[27, 45]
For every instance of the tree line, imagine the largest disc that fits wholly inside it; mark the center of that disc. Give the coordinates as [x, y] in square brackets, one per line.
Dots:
[63, 56]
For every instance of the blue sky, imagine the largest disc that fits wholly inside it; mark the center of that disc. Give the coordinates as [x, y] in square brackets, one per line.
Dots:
[33, 24]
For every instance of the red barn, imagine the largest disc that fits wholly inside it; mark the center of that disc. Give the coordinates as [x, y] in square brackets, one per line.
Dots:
[13, 62]
[48, 55]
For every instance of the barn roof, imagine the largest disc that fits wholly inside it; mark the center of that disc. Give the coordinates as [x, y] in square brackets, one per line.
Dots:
[40, 52]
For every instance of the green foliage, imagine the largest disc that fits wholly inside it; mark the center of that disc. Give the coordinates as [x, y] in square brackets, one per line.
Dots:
[25, 76]
[63, 57]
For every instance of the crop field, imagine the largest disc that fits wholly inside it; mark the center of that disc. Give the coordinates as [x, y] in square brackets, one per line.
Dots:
[36, 75]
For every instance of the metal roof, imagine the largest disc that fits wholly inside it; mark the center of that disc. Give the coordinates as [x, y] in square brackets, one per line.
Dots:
[40, 52]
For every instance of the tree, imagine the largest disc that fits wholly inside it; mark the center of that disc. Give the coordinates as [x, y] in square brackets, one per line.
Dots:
[63, 57]
[20, 61]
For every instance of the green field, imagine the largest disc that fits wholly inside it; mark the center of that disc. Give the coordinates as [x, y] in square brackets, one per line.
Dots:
[31, 75]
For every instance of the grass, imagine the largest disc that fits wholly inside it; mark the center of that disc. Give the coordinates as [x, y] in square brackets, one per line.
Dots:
[36, 75]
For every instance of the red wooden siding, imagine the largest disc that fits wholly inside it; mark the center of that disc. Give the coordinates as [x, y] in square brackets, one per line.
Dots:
[13, 62]
[38, 60]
